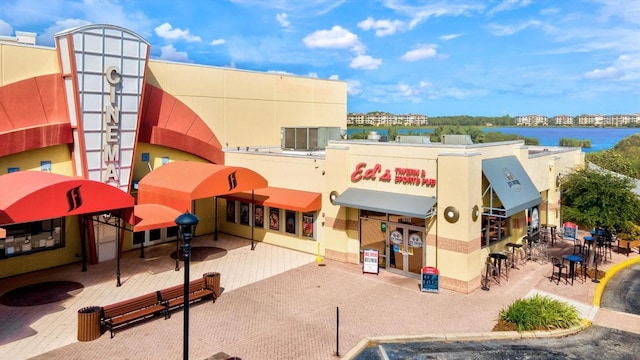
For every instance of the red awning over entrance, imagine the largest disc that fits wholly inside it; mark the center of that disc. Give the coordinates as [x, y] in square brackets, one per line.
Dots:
[176, 184]
[152, 216]
[297, 200]
[35, 195]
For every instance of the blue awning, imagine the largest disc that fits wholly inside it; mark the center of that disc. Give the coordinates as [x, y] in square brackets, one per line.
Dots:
[512, 185]
[387, 202]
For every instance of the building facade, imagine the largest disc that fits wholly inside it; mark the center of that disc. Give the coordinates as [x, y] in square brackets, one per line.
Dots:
[260, 156]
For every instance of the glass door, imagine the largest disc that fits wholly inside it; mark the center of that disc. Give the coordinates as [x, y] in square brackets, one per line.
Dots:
[406, 249]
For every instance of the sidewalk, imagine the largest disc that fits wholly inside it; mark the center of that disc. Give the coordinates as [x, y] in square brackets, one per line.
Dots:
[276, 304]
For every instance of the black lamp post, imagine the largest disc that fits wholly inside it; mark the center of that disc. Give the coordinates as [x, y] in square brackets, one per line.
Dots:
[186, 222]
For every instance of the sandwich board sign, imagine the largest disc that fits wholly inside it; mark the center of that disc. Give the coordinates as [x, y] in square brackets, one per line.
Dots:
[429, 281]
[370, 263]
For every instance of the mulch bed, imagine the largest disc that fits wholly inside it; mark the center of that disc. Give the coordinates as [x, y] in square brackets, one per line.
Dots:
[41, 293]
[201, 253]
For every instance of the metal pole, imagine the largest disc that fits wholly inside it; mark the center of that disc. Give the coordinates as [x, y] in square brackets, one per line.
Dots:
[118, 252]
[215, 219]
[337, 331]
[178, 250]
[186, 248]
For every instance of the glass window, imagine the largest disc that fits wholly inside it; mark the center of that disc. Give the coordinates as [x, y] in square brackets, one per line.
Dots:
[231, 211]
[27, 238]
[291, 222]
[495, 229]
[307, 225]
[274, 219]
[259, 216]
[244, 213]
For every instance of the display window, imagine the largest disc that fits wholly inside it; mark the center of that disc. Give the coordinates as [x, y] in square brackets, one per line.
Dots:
[274, 219]
[291, 223]
[28, 238]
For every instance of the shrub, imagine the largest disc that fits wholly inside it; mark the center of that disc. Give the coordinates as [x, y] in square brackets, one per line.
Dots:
[540, 313]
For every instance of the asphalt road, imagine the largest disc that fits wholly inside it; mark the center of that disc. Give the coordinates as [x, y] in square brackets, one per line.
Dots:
[621, 294]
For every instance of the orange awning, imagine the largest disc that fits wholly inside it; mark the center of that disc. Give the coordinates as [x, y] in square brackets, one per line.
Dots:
[176, 184]
[3, 233]
[304, 201]
[35, 195]
[152, 216]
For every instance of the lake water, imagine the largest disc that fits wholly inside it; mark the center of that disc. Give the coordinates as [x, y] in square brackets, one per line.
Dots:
[601, 138]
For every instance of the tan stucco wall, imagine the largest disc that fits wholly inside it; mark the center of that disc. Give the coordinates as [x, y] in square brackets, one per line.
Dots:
[23, 62]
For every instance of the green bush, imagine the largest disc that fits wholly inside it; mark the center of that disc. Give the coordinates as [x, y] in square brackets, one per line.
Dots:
[540, 313]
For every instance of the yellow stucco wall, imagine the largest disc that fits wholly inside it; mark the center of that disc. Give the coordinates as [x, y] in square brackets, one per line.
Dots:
[24, 62]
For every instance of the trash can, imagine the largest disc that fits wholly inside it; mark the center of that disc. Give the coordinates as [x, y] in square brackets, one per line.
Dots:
[89, 323]
[212, 281]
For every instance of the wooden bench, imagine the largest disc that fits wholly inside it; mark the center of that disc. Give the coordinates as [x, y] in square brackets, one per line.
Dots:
[173, 296]
[628, 244]
[130, 310]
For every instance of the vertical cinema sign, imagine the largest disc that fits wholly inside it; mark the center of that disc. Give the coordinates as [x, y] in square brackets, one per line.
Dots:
[103, 67]
[111, 149]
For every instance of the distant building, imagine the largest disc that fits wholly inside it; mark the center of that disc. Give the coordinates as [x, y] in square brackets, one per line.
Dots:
[532, 120]
[386, 119]
[563, 120]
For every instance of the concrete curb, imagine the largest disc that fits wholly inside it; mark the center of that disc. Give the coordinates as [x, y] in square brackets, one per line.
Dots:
[493, 335]
[597, 297]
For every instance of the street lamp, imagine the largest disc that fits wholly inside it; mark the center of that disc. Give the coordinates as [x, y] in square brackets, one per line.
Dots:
[185, 223]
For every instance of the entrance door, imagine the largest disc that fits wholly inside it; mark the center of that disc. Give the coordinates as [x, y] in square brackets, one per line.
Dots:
[406, 249]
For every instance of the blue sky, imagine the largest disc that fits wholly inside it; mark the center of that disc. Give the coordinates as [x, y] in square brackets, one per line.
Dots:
[432, 57]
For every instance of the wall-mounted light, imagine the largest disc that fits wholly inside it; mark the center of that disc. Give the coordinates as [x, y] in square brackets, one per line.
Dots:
[475, 213]
[451, 214]
[333, 196]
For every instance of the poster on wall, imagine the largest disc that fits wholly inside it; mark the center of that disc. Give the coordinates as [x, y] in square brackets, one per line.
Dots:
[231, 211]
[370, 262]
[534, 220]
[244, 213]
[259, 216]
[291, 222]
[274, 219]
[307, 225]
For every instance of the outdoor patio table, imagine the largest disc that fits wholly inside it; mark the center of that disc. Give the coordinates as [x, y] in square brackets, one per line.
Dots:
[552, 230]
[573, 259]
[513, 247]
[498, 259]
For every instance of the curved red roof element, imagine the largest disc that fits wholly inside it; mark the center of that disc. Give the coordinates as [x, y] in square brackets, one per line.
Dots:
[33, 115]
[152, 216]
[166, 121]
[36, 195]
[176, 184]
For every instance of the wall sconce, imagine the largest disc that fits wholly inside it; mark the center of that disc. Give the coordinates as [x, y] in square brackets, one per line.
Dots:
[333, 196]
[475, 213]
[451, 214]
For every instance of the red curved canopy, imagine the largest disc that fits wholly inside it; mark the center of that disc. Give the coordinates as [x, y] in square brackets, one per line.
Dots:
[34, 195]
[176, 184]
[152, 216]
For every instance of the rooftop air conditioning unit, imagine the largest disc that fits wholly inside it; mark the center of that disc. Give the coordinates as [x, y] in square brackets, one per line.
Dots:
[457, 140]
[308, 138]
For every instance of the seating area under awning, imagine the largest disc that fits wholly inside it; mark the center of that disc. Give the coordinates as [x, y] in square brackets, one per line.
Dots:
[510, 183]
[387, 202]
[303, 201]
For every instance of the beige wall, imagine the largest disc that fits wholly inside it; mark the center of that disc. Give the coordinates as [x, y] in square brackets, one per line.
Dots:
[19, 62]
[245, 108]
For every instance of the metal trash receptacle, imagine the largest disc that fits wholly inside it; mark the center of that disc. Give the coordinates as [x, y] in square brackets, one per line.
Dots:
[89, 323]
[212, 281]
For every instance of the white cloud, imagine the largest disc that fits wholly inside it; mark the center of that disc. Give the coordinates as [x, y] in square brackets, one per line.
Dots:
[336, 38]
[504, 30]
[421, 53]
[354, 87]
[166, 31]
[420, 13]
[507, 5]
[168, 52]
[365, 62]
[606, 74]
[5, 29]
[217, 42]
[47, 38]
[313, 75]
[282, 19]
[450, 37]
[382, 27]
[334, 77]
[281, 72]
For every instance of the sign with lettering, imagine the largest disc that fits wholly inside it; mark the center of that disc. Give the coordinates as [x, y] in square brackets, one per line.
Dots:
[569, 231]
[429, 281]
[399, 175]
[370, 263]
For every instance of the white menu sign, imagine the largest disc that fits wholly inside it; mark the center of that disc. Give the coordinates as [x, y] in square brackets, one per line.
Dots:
[370, 263]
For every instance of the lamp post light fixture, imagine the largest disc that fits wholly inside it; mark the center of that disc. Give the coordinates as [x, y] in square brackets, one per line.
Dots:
[186, 222]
